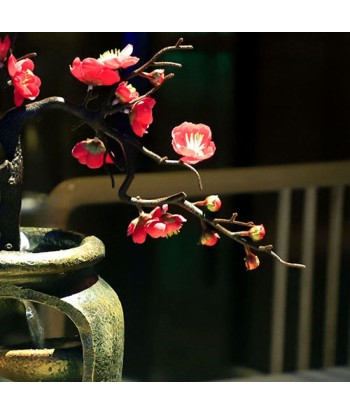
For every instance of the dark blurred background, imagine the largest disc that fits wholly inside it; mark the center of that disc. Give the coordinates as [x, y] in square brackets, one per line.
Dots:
[270, 98]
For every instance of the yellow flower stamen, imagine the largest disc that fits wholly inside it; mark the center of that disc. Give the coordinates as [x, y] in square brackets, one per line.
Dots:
[109, 54]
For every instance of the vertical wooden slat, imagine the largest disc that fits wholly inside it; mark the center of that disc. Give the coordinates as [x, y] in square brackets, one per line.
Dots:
[306, 279]
[280, 283]
[333, 276]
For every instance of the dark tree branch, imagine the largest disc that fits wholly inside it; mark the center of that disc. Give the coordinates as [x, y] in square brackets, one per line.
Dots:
[12, 122]
[11, 167]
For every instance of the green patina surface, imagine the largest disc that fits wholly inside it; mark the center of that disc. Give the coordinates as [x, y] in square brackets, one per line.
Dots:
[61, 277]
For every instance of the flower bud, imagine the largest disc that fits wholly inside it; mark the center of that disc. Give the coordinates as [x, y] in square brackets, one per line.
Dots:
[213, 203]
[91, 152]
[209, 238]
[155, 77]
[251, 261]
[257, 232]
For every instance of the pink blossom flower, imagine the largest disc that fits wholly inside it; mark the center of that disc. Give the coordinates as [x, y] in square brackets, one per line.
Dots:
[209, 238]
[93, 73]
[137, 228]
[116, 59]
[141, 115]
[163, 224]
[26, 84]
[91, 152]
[193, 141]
[126, 93]
[4, 48]
[157, 224]
[155, 77]
[257, 232]
[251, 261]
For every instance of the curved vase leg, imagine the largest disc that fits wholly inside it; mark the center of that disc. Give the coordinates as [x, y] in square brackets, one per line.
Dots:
[98, 316]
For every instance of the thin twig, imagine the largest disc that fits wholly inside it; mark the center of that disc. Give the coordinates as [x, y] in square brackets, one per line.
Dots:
[177, 46]
[108, 171]
[174, 64]
[233, 221]
[28, 56]
[288, 264]
[169, 200]
[164, 160]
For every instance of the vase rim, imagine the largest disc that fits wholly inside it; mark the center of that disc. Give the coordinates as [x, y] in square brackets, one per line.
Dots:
[51, 252]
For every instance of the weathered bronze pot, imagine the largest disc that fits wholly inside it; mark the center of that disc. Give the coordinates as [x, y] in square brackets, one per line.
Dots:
[57, 270]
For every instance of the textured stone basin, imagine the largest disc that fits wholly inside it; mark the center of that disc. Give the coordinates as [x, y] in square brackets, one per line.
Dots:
[61, 360]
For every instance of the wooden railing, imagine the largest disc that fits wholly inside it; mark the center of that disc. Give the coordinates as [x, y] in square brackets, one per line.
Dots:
[283, 180]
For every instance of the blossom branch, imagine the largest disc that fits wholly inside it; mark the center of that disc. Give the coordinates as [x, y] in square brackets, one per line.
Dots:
[96, 121]
[267, 249]
[93, 119]
[192, 141]
[163, 160]
[177, 46]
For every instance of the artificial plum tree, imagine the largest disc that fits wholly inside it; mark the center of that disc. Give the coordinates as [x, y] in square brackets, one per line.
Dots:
[192, 142]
